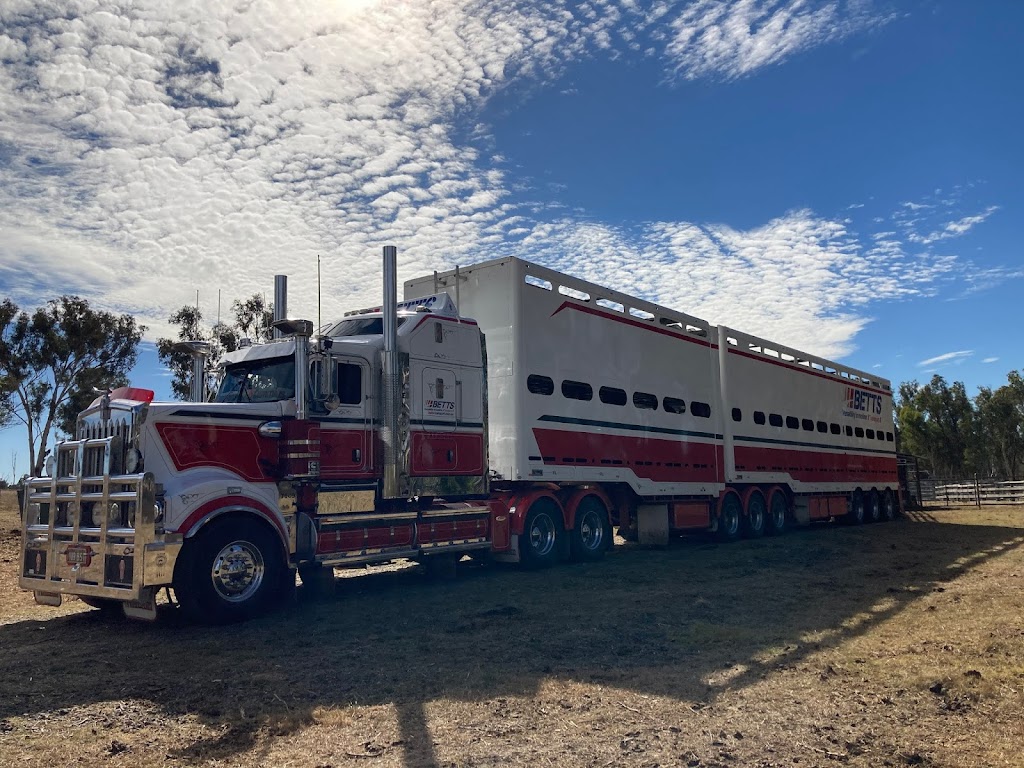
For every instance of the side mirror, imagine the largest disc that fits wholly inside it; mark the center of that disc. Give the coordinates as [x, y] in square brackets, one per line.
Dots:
[270, 429]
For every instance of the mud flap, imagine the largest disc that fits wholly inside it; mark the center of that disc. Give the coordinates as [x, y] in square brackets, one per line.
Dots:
[48, 598]
[144, 608]
[652, 525]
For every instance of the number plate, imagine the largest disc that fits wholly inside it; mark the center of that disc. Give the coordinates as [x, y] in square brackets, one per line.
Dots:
[79, 554]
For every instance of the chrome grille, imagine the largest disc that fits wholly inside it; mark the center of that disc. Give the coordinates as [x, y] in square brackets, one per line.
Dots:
[91, 427]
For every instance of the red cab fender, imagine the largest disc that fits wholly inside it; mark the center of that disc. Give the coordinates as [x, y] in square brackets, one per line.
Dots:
[225, 505]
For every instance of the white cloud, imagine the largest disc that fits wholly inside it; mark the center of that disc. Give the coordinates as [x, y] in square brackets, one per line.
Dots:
[954, 228]
[152, 148]
[802, 280]
[948, 357]
[732, 39]
[990, 360]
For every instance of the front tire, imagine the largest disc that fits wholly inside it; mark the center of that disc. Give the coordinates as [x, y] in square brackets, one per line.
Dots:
[542, 535]
[233, 571]
[591, 532]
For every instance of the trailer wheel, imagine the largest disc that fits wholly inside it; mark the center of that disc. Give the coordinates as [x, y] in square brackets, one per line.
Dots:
[777, 513]
[729, 518]
[874, 510]
[889, 506]
[754, 522]
[856, 514]
[232, 572]
[540, 542]
[591, 532]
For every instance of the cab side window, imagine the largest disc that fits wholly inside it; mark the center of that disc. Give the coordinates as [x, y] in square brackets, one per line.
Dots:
[350, 384]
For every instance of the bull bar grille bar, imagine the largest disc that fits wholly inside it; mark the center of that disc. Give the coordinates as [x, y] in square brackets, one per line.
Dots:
[68, 543]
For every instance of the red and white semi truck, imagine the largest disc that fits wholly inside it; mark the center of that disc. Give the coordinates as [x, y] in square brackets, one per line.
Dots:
[502, 408]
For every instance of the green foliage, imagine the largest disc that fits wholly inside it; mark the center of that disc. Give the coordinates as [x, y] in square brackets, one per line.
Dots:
[52, 359]
[252, 320]
[962, 437]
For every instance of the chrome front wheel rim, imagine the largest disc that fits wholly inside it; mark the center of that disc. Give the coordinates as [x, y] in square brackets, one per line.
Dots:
[238, 571]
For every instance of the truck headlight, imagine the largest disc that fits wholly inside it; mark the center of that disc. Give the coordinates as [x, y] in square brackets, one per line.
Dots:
[133, 461]
[114, 516]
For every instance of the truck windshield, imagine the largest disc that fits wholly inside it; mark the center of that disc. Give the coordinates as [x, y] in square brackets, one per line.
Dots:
[258, 381]
[360, 326]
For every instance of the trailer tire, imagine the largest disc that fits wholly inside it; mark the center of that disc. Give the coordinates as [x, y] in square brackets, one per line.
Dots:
[591, 531]
[778, 513]
[541, 541]
[729, 518]
[889, 508]
[755, 520]
[856, 514]
[874, 510]
[233, 571]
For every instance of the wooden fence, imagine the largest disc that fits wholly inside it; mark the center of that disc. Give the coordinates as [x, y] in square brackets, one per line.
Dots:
[980, 492]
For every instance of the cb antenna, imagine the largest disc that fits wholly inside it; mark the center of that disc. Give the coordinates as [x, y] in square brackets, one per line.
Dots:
[318, 324]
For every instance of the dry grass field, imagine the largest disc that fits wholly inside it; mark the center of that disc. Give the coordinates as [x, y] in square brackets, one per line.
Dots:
[896, 644]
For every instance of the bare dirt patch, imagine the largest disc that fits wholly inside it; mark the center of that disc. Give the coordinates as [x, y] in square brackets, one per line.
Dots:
[896, 644]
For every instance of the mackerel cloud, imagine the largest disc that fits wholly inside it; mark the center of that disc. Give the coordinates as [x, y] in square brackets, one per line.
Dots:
[152, 149]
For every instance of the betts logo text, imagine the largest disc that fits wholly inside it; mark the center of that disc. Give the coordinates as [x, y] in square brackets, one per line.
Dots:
[863, 405]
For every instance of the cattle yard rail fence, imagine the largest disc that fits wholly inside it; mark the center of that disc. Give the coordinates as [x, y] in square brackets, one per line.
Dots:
[980, 492]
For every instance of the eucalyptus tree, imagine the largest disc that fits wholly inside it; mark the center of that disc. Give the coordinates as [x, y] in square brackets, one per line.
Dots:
[52, 360]
[252, 319]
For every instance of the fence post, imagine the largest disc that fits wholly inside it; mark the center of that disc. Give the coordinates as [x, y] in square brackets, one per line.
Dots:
[977, 491]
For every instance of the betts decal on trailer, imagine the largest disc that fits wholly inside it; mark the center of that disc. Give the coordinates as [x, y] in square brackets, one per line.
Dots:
[439, 407]
[863, 405]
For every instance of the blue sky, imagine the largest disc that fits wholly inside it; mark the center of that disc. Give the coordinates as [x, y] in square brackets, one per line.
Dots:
[843, 177]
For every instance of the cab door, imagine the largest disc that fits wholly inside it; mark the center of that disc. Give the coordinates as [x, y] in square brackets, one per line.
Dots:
[346, 437]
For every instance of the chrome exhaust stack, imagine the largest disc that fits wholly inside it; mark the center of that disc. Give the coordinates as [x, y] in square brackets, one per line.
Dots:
[280, 301]
[301, 330]
[199, 351]
[392, 380]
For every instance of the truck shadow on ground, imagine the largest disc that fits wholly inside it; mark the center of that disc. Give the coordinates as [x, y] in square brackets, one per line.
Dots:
[686, 622]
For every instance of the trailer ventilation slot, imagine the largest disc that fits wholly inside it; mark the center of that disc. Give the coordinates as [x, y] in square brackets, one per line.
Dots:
[572, 293]
[538, 282]
[608, 304]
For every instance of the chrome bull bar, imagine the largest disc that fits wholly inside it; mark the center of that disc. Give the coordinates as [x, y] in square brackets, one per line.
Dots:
[88, 532]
